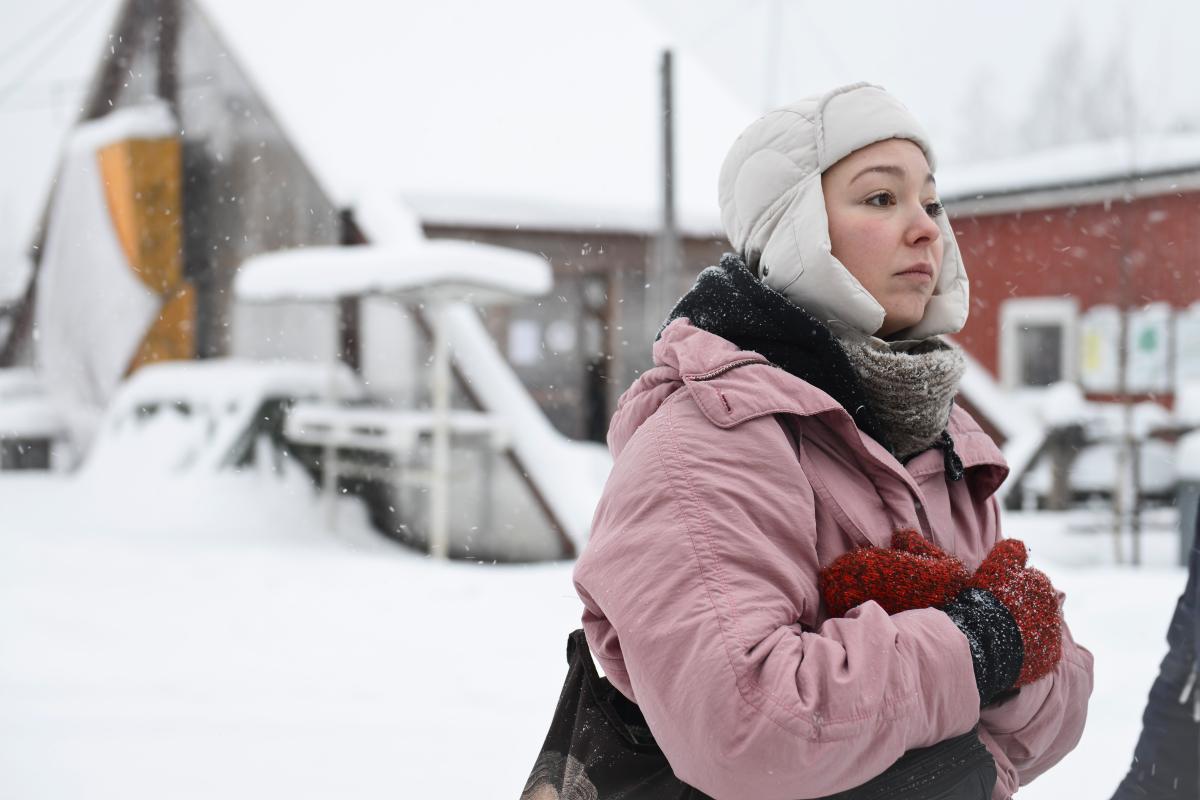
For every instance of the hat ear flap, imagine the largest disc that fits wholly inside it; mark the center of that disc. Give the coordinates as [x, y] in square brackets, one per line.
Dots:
[801, 266]
[758, 195]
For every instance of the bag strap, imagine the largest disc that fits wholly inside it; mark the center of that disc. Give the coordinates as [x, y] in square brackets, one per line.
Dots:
[576, 643]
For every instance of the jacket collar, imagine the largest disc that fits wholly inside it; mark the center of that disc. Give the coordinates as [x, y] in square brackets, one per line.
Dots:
[731, 386]
[727, 300]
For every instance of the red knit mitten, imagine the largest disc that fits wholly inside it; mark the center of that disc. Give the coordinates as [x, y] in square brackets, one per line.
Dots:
[913, 573]
[1031, 599]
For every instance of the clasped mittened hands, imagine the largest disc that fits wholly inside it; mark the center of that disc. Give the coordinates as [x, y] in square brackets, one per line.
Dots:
[914, 573]
[1032, 601]
[1008, 611]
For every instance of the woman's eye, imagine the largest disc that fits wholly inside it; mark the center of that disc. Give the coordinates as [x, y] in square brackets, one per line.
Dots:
[935, 209]
[881, 200]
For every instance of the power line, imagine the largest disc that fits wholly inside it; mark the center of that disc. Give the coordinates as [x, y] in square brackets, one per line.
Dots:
[63, 34]
[40, 28]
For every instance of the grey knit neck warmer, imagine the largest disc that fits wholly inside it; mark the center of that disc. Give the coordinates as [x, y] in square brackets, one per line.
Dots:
[911, 384]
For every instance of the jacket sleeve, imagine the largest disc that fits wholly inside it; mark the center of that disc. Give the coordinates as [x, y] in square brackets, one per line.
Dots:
[1033, 730]
[697, 584]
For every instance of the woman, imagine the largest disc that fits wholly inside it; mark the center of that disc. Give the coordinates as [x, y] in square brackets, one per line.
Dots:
[801, 407]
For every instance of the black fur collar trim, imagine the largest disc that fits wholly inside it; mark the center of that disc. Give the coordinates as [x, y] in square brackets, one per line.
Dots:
[729, 301]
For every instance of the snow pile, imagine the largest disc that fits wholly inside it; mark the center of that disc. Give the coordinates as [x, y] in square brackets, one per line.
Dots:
[1095, 469]
[1187, 457]
[1187, 404]
[1063, 404]
[25, 410]
[208, 638]
[1023, 432]
[196, 415]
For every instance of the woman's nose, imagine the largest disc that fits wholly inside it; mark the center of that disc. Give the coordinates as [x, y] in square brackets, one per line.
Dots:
[923, 229]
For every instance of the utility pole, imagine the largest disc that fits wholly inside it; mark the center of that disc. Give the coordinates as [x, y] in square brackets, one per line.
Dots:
[663, 275]
[1127, 494]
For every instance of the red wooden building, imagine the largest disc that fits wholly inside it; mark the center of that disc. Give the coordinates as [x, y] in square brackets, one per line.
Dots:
[1058, 243]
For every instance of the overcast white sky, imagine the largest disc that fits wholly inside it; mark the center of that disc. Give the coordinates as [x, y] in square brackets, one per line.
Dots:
[927, 53]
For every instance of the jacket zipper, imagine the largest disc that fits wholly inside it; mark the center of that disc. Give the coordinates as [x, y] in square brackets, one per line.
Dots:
[721, 370]
[1189, 690]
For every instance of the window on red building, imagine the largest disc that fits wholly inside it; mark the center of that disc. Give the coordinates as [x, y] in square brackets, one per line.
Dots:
[1040, 354]
[1037, 341]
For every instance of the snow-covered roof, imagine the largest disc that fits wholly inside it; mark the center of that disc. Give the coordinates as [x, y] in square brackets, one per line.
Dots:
[150, 119]
[1072, 165]
[533, 213]
[478, 273]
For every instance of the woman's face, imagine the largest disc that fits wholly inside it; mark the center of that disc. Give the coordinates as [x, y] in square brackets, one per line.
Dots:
[881, 202]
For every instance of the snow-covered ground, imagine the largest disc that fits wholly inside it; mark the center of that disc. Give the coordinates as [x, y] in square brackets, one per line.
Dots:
[210, 638]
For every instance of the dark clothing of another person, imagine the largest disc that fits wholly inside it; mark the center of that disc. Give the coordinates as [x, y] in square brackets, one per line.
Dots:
[1166, 761]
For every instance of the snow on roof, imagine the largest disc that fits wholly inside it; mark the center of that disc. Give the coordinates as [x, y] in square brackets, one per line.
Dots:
[554, 104]
[546, 214]
[1072, 165]
[152, 119]
[474, 272]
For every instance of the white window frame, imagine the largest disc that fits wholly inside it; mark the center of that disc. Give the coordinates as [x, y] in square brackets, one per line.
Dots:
[1023, 311]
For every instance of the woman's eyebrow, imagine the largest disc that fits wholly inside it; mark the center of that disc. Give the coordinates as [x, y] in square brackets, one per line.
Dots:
[891, 169]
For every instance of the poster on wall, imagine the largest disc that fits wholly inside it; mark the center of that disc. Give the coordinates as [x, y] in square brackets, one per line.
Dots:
[1187, 345]
[1149, 347]
[1099, 358]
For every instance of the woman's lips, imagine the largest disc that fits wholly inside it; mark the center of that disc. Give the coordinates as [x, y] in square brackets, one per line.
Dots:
[919, 272]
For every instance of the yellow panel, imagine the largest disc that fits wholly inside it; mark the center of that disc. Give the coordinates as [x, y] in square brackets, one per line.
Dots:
[142, 179]
[172, 335]
[142, 186]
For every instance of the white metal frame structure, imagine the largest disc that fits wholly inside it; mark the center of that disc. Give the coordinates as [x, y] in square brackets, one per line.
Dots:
[437, 274]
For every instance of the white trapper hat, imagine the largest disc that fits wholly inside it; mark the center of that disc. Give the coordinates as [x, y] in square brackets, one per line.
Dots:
[773, 208]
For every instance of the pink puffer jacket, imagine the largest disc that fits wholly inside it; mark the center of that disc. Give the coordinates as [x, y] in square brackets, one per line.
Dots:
[734, 483]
